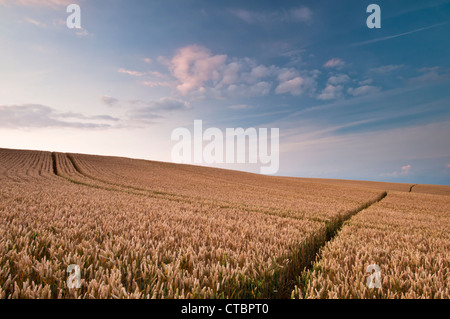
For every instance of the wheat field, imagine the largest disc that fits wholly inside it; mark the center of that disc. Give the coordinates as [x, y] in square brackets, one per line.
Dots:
[143, 229]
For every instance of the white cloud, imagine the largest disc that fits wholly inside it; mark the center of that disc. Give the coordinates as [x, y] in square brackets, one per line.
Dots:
[260, 89]
[260, 71]
[291, 81]
[334, 63]
[363, 90]
[286, 74]
[294, 86]
[331, 92]
[338, 79]
[365, 82]
[403, 172]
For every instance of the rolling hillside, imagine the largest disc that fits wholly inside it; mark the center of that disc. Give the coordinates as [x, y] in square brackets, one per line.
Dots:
[143, 229]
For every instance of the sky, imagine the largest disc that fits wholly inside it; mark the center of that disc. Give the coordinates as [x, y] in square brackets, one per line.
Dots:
[350, 102]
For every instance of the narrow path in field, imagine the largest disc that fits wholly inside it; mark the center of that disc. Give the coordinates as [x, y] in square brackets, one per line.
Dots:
[312, 250]
[411, 188]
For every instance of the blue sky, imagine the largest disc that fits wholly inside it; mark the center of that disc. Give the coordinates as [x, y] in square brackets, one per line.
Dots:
[350, 102]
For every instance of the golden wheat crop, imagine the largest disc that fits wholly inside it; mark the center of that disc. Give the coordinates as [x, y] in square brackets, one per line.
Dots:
[141, 229]
[131, 243]
[273, 195]
[406, 234]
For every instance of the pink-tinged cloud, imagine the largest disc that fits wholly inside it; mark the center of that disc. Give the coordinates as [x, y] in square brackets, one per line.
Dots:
[158, 74]
[129, 72]
[200, 73]
[334, 63]
[193, 66]
[448, 165]
[405, 169]
[36, 23]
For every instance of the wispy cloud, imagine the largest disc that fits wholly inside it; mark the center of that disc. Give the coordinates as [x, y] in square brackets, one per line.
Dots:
[41, 116]
[430, 75]
[147, 112]
[398, 35]
[154, 84]
[108, 100]
[363, 90]
[35, 3]
[385, 69]
[301, 14]
[35, 22]
[130, 72]
[240, 107]
[81, 32]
